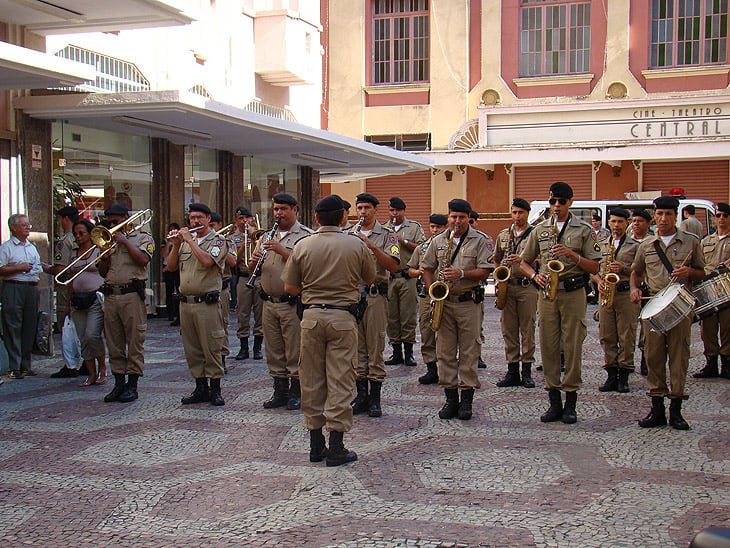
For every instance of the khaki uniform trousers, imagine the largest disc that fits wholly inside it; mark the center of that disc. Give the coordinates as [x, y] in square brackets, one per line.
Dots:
[675, 346]
[281, 335]
[201, 326]
[61, 305]
[225, 315]
[89, 325]
[617, 331]
[459, 331]
[518, 322]
[710, 326]
[563, 324]
[428, 337]
[249, 299]
[371, 340]
[402, 310]
[125, 326]
[327, 368]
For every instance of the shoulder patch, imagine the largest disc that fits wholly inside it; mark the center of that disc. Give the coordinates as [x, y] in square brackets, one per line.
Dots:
[490, 245]
[393, 239]
[58, 256]
[394, 250]
[219, 243]
[215, 251]
[59, 245]
[544, 234]
[597, 246]
[150, 248]
[594, 236]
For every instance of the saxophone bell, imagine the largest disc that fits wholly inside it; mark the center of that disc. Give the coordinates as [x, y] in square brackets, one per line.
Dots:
[554, 266]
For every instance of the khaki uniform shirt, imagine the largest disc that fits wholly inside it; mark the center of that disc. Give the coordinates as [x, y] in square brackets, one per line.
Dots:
[648, 262]
[715, 250]
[577, 236]
[196, 279]
[473, 253]
[237, 238]
[122, 268]
[693, 226]
[504, 246]
[274, 263]
[602, 234]
[418, 253]
[232, 251]
[625, 255]
[329, 266]
[386, 240]
[65, 248]
[411, 231]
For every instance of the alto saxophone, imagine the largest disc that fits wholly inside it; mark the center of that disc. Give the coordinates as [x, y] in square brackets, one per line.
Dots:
[610, 279]
[439, 290]
[503, 271]
[554, 266]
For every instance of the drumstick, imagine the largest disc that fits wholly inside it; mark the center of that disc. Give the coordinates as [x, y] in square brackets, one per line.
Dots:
[673, 279]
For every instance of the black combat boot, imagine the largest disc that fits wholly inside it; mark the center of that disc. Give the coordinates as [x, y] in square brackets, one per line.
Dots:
[295, 395]
[451, 407]
[555, 411]
[643, 369]
[527, 381]
[243, 352]
[257, 340]
[657, 416]
[374, 409]
[317, 447]
[280, 397]
[725, 360]
[223, 362]
[360, 403]
[676, 420]
[130, 390]
[710, 370]
[512, 378]
[119, 384]
[200, 394]
[397, 357]
[623, 380]
[337, 452]
[611, 384]
[432, 374]
[465, 405]
[481, 364]
[569, 415]
[215, 392]
[408, 358]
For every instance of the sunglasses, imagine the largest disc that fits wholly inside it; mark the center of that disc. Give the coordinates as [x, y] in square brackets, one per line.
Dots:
[724, 215]
[561, 201]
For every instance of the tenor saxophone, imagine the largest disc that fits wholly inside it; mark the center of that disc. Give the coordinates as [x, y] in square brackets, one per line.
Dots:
[439, 290]
[503, 271]
[610, 279]
[554, 266]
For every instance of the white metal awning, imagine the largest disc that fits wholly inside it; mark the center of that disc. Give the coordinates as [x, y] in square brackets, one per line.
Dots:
[24, 68]
[188, 119]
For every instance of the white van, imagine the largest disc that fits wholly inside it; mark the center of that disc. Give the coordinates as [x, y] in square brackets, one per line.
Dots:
[585, 209]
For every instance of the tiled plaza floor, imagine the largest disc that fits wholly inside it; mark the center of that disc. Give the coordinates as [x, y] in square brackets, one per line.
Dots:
[75, 471]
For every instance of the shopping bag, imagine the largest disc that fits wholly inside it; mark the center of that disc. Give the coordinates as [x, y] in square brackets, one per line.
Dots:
[70, 344]
[43, 336]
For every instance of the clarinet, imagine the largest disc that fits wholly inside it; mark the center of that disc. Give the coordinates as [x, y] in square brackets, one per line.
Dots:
[257, 269]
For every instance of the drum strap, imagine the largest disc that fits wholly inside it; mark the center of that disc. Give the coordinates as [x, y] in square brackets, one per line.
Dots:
[663, 257]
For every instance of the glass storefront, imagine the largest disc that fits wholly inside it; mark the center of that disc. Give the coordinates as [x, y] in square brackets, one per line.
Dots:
[201, 176]
[264, 178]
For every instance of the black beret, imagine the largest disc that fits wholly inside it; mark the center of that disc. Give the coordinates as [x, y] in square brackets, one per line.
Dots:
[68, 211]
[522, 204]
[117, 209]
[240, 210]
[560, 189]
[329, 203]
[460, 206]
[397, 203]
[366, 198]
[723, 207]
[216, 217]
[596, 217]
[439, 219]
[346, 204]
[200, 208]
[643, 213]
[666, 202]
[619, 212]
[284, 198]
[474, 215]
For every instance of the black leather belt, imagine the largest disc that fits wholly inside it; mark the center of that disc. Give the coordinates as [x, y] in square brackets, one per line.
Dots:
[376, 289]
[464, 297]
[574, 282]
[285, 299]
[20, 282]
[326, 307]
[209, 298]
[124, 289]
[226, 283]
[623, 286]
[520, 280]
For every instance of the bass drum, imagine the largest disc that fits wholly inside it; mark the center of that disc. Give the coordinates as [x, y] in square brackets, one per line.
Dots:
[667, 308]
[712, 296]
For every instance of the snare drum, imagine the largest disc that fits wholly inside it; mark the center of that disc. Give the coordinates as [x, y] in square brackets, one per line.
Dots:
[712, 296]
[668, 308]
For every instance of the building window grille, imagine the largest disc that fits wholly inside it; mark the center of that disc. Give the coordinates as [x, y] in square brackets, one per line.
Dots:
[688, 32]
[400, 41]
[112, 75]
[417, 142]
[555, 37]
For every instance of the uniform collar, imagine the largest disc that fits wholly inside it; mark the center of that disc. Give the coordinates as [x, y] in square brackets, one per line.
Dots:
[329, 229]
[377, 227]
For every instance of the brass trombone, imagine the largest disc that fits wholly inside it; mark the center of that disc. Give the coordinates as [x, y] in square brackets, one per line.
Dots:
[103, 239]
[250, 241]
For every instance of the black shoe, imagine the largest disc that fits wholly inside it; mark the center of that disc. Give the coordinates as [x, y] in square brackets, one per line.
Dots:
[360, 403]
[397, 357]
[676, 420]
[481, 364]
[538, 368]
[130, 390]
[200, 394]
[725, 371]
[374, 409]
[243, 352]
[119, 384]
[555, 411]
[623, 381]
[657, 414]
[710, 370]
[175, 322]
[512, 378]
[215, 392]
[280, 397]
[465, 405]
[611, 384]
[295, 395]
[451, 407]
[65, 373]
[338, 454]
[643, 369]
[317, 447]
[257, 340]
[562, 362]
[408, 358]
[15, 375]
[569, 415]
[527, 381]
[432, 374]
[225, 369]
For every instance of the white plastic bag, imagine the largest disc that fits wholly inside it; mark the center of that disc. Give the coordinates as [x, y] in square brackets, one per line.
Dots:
[70, 344]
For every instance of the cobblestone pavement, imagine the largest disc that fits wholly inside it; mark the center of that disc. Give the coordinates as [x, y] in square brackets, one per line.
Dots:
[77, 471]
